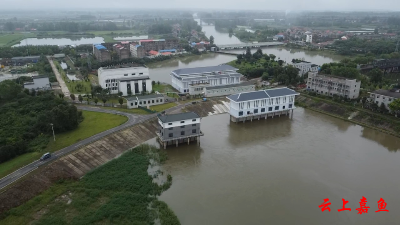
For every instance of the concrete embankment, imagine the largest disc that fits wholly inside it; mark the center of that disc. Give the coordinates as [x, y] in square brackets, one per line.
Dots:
[75, 165]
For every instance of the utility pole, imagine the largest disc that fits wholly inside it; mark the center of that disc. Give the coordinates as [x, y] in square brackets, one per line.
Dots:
[54, 136]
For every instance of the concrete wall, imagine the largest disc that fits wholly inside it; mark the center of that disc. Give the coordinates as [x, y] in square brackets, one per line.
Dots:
[342, 87]
[113, 75]
[187, 128]
[379, 99]
[123, 87]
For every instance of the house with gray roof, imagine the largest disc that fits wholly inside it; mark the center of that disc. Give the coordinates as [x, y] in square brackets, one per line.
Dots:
[384, 96]
[178, 128]
[261, 104]
[193, 80]
[145, 100]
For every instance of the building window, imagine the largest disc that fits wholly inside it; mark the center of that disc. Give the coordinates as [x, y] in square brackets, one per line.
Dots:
[390, 99]
[182, 132]
[148, 102]
[269, 109]
[140, 103]
[131, 103]
[276, 107]
[193, 125]
[169, 123]
[144, 102]
[170, 128]
[133, 74]
[194, 120]
[182, 121]
[160, 100]
[183, 126]
[193, 131]
[290, 106]
[135, 103]
[125, 74]
[170, 135]
[241, 113]
[140, 73]
[255, 110]
[152, 101]
[283, 107]
[157, 100]
[263, 110]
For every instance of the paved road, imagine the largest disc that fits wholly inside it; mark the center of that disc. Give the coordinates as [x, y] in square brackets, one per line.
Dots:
[61, 82]
[132, 120]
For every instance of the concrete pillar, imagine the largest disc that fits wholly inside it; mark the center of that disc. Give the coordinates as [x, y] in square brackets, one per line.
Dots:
[251, 118]
[292, 114]
[165, 145]
[188, 141]
[280, 114]
[259, 117]
[176, 143]
[198, 140]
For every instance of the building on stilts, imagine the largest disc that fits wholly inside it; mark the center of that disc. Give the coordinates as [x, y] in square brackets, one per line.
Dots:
[175, 129]
[261, 104]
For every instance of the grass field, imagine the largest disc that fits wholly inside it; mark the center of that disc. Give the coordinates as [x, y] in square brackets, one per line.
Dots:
[85, 87]
[119, 192]
[163, 88]
[12, 39]
[160, 108]
[94, 79]
[93, 123]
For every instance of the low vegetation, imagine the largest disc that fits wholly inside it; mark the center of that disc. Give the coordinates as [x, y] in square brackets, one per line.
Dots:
[160, 108]
[120, 192]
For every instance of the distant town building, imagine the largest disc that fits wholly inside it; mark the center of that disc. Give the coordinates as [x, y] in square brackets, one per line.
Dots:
[333, 85]
[122, 51]
[144, 100]
[39, 83]
[130, 80]
[308, 37]
[63, 65]
[261, 104]
[159, 44]
[19, 61]
[305, 67]
[179, 128]
[384, 96]
[200, 45]
[207, 76]
[137, 51]
[101, 53]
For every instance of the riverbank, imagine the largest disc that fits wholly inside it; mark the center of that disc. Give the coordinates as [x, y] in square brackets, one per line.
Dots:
[119, 192]
[362, 117]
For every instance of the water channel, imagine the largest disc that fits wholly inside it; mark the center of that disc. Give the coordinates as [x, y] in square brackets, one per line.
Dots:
[278, 171]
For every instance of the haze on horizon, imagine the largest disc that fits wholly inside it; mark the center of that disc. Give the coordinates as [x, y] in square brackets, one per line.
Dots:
[289, 5]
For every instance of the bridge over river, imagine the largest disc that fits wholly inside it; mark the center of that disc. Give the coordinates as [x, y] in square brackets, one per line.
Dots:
[250, 45]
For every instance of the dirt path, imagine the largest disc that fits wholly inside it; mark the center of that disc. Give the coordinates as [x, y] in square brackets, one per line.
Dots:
[60, 81]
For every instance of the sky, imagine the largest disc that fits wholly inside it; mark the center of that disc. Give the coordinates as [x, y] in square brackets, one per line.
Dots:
[291, 5]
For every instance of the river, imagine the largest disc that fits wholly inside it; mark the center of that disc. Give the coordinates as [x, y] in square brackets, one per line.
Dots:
[278, 171]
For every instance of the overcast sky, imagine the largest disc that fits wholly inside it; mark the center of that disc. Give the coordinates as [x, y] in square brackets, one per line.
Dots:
[347, 5]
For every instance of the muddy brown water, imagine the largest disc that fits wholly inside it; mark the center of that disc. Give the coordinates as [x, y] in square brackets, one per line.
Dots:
[280, 170]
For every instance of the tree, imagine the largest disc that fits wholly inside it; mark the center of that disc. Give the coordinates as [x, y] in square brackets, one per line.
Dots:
[265, 76]
[375, 75]
[272, 56]
[104, 101]
[395, 106]
[363, 100]
[248, 53]
[72, 96]
[80, 98]
[211, 40]
[61, 95]
[259, 51]
[153, 83]
[88, 100]
[9, 90]
[121, 101]
[96, 100]
[382, 108]
[158, 82]
[33, 92]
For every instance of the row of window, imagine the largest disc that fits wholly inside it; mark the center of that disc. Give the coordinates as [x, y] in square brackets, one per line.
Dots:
[255, 111]
[225, 90]
[182, 133]
[133, 74]
[270, 101]
[183, 126]
[148, 102]
[112, 80]
[112, 84]
[193, 120]
[383, 97]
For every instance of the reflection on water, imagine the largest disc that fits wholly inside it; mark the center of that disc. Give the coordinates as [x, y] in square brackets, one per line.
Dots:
[279, 172]
[390, 142]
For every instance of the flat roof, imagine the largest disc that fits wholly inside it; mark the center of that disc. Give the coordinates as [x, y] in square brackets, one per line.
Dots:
[269, 93]
[26, 57]
[387, 93]
[140, 97]
[208, 69]
[230, 85]
[100, 47]
[124, 66]
[178, 117]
